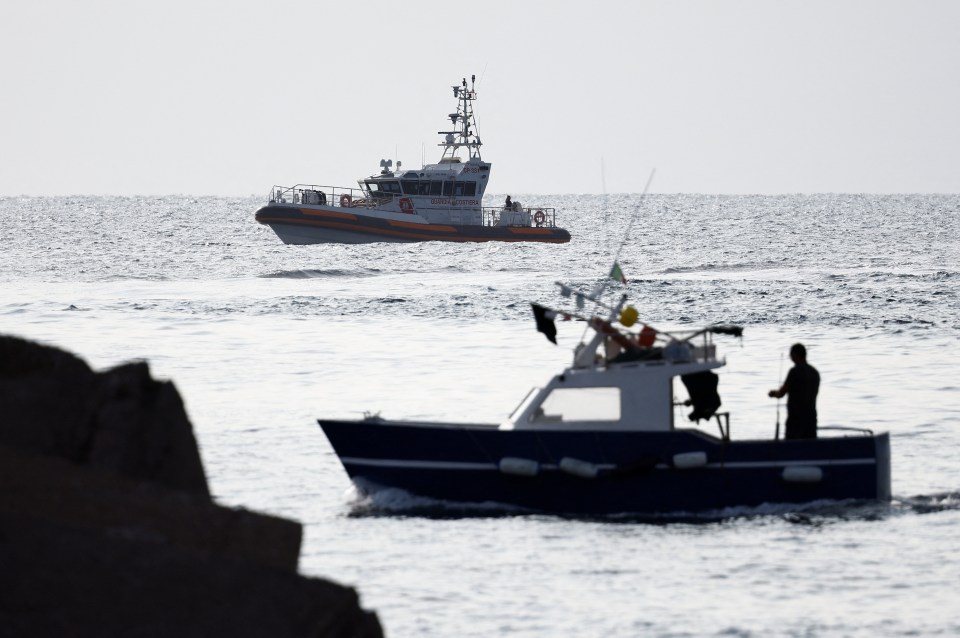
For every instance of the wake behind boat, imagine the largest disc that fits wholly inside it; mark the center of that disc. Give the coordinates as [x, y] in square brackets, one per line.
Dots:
[438, 202]
[602, 438]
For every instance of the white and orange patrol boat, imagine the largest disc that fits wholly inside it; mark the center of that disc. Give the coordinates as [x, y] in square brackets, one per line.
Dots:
[438, 202]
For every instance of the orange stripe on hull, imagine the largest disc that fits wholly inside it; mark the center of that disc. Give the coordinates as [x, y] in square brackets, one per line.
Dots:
[410, 231]
[523, 230]
[328, 213]
[432, 227]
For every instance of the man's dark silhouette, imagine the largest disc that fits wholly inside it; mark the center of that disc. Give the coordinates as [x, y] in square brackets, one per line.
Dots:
[800, 387]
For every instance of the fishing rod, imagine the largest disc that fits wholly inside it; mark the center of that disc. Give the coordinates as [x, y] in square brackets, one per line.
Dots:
[776, 434]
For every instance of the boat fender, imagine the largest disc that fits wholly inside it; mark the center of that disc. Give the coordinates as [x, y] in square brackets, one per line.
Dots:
[687, 460]
[802, 474]
[539, 217]
[583, 469]
[519, 467]
[345, 200]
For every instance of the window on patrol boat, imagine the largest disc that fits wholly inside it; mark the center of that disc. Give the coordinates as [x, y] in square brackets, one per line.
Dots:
[458, 189]
[580, 404]
[436, 188]
[448, 188]
[390, 187]
[470, 189]
[410, 187]
[425, 188]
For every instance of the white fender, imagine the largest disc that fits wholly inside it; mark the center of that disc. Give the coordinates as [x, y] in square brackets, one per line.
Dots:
[687, 460]
[583, 469]
[802, 474]
[518, 466]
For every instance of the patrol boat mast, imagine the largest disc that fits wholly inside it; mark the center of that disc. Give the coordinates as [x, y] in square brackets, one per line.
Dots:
[465, 125]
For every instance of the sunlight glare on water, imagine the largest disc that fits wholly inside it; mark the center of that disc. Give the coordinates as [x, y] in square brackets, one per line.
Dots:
[261, 339]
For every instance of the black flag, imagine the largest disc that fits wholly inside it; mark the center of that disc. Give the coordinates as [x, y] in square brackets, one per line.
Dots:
[544, 317]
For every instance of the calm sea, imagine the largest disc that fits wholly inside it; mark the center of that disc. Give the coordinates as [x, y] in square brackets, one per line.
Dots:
[263, 338]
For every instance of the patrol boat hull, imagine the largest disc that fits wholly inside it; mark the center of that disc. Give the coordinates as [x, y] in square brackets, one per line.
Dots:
[305, 225]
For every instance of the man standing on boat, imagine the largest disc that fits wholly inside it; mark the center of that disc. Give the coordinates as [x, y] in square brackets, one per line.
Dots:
[800, 387]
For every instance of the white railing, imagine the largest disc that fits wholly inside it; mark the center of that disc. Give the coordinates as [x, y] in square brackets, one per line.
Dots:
[535, 216]
[341, 196]
[346, 197]
[314, 194]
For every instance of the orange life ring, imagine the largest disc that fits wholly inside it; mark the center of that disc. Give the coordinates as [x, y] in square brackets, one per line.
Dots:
[345, 200]
[406, 206]
[539, 217]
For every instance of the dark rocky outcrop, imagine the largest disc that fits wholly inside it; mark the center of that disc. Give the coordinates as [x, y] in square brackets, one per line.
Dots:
[107, 527]
[120, 419]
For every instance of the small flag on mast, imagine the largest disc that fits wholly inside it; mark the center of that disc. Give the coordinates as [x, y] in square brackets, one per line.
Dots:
[544, 318]
[616, 274]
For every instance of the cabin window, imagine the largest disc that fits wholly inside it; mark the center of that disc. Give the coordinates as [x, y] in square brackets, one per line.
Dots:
[580, 404]
[424, 188]
[436, 188]
[469, 189]
[458, 189]
[448, 188]
[390, 187]
[409, 186]
[373, 187]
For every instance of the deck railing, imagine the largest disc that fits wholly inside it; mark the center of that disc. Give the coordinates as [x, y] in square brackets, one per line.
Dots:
[328, 196]
[533, 216]
[356, 198]
[314, 194]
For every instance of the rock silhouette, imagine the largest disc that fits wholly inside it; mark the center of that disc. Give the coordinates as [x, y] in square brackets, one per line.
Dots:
[107, 527]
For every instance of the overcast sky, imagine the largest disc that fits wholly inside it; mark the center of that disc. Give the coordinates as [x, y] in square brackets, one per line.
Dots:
[229, 98]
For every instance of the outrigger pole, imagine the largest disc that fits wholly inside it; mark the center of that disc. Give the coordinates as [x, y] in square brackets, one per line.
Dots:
[595, 296]
[633, 217]
[598, 292]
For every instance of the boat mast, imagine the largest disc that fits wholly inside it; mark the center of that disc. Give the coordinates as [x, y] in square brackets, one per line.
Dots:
[464, 134]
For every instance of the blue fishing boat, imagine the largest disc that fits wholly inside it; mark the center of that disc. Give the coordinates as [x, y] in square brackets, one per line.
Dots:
[602, 437]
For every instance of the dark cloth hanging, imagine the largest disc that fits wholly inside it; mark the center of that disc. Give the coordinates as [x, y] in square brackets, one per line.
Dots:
[702, 388]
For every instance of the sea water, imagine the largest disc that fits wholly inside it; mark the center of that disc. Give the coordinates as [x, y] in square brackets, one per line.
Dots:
[261, 339]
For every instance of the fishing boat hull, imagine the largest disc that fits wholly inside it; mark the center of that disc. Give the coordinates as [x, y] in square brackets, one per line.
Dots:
[590, 472]
[303, 225]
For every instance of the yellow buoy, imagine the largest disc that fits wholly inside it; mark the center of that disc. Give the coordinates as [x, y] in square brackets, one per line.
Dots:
[628, 316]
